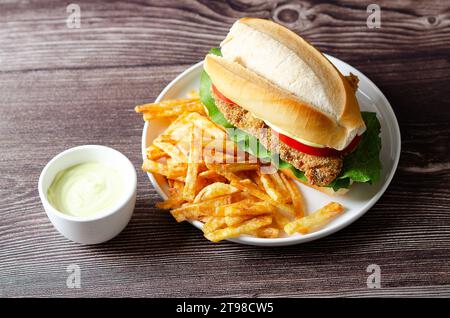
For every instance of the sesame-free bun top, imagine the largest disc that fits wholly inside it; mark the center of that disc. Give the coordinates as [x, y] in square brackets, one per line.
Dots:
[282, 79]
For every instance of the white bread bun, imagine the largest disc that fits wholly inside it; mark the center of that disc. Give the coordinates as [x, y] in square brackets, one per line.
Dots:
[282, 79]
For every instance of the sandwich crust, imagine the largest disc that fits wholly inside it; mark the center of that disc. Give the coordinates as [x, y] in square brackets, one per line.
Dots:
[319, 107]
[268, 102]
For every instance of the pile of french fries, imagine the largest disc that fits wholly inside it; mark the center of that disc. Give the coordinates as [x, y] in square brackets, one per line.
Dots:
[211, 181]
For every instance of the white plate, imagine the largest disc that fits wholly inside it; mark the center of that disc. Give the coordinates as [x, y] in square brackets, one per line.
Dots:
[357, 201]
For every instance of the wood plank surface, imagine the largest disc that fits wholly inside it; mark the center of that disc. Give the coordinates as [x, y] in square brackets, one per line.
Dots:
[62, 87]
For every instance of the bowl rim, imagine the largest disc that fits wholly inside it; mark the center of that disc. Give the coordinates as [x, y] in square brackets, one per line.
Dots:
[296, 238]
[127, 196]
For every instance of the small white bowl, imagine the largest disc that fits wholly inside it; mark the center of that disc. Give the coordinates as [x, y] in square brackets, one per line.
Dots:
[99, 227]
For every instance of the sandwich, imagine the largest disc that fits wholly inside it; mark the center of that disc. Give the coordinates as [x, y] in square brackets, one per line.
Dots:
[283, 101]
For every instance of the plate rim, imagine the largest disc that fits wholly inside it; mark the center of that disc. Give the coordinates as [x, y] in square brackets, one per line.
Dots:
[323, 232]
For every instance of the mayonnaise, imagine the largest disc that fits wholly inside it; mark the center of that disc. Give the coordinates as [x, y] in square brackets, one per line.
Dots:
[303, 141]
[85, 189]
[282, 131]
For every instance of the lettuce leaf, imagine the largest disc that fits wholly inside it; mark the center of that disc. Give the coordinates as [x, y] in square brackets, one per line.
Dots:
[362, 165]
[207, 99]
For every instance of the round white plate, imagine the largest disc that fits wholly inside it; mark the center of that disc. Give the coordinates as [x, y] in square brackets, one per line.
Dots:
[357, 201]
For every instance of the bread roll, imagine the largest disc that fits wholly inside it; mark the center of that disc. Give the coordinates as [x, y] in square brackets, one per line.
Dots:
[283, 80]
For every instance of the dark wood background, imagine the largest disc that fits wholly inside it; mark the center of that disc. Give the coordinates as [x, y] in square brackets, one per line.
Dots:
[62, 87]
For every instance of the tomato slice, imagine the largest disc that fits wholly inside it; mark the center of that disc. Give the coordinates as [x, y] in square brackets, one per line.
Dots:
[297, 145]
[315, 151]
[219, 95]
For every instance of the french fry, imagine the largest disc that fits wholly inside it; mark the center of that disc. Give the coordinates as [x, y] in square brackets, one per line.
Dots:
[164, 104]
[170, 182]
[266, 232]
[214, 190]
[235, 167]
[232, 172]
[250, 187]
[280, 219]
[176, 168]
[208, 127]
[172, 150]
[276, 178]
[239, 196]
[271, 188]
[218, 157]
[222, 151]
[222, 145]
[180, 127]
[205, 218]
[170, 108]
[212, 175]
[176, 109]
[213, 224]
[193, 167]
[235, 220]
[230, 176]
[297, 199]
[182, 135]
[175, 199]
[257, 208]
[201, 183]
[255, 178]
[155, 167]
[162, 169]
[178, 186]
[191, 211]
[315, 220]
[245, 227]
[169, 114]
[173, 202]
[148, 116]
[240, 204]
[155, 153]
[166, 139]
[170, 118]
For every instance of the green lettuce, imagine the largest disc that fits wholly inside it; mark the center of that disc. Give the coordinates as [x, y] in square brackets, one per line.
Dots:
[362, 165]
[207, 99]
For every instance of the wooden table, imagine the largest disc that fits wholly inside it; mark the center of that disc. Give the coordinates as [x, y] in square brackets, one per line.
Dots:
[63, 87]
